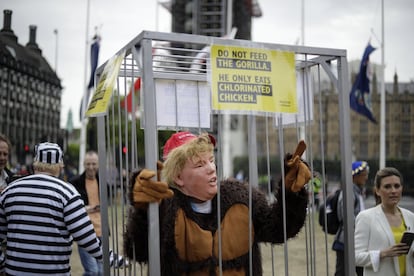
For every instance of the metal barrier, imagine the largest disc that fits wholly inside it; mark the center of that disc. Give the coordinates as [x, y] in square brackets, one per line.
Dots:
[173, 77]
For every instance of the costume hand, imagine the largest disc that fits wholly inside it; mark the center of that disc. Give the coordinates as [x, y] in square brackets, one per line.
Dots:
[146, 190]
[297, 172]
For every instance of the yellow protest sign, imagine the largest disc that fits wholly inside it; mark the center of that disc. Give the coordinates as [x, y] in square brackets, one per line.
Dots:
[250, 79]
[103, 93]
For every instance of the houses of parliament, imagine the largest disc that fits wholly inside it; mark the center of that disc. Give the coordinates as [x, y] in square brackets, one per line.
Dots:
[365, 135]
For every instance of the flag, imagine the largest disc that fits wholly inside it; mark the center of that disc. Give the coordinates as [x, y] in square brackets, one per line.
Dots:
[159, 58]
[126, 102]
[94, 59]
[94, 64]
[360, 97]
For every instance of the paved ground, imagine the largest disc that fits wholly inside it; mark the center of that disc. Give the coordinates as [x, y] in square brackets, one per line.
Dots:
[302, 257]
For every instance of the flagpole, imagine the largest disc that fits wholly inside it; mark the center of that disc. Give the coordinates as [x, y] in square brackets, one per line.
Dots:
[302, 127]
[303, 23]
[157, 15]
[382, 120]
[84, 121]
[55, 31]
[227, 168]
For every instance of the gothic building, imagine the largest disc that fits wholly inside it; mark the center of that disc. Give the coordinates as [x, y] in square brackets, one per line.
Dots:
[30, 94]
[365, 135]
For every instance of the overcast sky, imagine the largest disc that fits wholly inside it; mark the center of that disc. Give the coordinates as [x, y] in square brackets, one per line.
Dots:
[346, 24]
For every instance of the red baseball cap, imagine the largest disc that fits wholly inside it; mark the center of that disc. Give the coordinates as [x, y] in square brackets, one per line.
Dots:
[180, 138]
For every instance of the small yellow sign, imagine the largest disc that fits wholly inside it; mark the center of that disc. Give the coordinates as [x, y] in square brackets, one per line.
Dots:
[103, 93]
[249, 79]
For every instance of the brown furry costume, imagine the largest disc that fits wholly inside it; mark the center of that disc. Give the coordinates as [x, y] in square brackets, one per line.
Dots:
[189, 242]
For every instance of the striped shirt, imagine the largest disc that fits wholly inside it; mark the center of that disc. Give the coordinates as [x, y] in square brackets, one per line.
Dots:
[40, 216]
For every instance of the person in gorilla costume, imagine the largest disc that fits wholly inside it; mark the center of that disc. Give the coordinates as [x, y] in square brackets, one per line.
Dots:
[186, 190]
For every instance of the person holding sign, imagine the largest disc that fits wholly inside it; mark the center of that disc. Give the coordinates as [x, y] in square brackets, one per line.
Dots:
[187, 192]
[383, 234]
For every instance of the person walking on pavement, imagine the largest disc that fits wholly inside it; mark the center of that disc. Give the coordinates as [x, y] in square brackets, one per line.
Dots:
[360, 170]
[87, 184]
[40, 216]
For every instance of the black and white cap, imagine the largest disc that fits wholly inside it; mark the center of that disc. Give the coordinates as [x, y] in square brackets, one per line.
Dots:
[49, 153]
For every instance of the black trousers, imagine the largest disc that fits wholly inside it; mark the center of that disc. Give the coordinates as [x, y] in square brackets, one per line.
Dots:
[340, 265]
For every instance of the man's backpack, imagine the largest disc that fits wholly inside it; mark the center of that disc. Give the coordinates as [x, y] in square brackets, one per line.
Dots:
[331, 211]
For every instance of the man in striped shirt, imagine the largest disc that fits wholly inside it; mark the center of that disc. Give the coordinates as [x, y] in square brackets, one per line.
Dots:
[40, 216]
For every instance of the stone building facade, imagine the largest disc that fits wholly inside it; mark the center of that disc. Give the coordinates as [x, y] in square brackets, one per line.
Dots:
[365, 135]
[30, 94]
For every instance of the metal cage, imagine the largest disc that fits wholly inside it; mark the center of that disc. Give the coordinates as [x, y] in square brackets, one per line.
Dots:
[167, 62]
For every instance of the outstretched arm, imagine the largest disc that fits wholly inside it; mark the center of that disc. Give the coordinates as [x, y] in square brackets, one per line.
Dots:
[81, 228]
[269, 222]
[268, 219]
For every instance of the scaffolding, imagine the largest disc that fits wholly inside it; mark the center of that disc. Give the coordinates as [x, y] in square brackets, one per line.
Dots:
[174, 93]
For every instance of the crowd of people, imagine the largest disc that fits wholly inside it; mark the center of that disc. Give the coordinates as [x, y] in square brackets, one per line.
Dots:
[186, 187]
